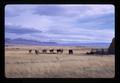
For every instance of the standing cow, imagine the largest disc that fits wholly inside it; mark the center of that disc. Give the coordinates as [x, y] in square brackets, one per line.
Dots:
[60, 51]
[30, 51]
[36, 52]
[51, 50]
[44, 51]
[70, 51]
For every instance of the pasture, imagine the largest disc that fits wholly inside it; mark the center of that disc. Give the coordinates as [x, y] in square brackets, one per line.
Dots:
[19, 63]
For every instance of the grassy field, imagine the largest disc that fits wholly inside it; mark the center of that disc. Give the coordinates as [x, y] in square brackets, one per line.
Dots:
[21, 64]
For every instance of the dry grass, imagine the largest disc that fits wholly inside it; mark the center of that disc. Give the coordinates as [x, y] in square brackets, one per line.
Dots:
[20, 64]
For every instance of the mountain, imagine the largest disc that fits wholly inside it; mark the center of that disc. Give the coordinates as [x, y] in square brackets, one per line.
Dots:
[33, 42]
[27, 42]
[93, 44]
[105, 45]
[7, 40]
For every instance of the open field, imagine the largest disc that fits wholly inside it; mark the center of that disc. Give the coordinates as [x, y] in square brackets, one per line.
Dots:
[19, 63]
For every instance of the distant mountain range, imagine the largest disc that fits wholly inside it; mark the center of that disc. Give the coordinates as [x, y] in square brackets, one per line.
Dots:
[33, 42]
[27, 42]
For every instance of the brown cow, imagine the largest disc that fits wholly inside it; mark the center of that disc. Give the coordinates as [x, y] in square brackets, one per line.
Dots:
[36, 52]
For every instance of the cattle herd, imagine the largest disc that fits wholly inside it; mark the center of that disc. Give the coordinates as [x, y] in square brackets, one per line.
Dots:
[99, 51]
[51, 51]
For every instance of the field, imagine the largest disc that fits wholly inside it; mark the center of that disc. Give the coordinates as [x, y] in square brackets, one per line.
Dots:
[19, 63]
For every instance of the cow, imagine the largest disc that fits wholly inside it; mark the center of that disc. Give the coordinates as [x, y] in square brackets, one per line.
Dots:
[70, 51]
[102, 51]
[97, 51]
[44, 51]
[51, 50]
[30, 51]
[60, 51]
[36, 52]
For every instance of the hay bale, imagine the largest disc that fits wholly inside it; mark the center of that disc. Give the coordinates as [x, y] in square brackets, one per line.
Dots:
[111, 49]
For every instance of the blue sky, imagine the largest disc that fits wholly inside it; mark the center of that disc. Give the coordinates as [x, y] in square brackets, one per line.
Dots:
[60, 23]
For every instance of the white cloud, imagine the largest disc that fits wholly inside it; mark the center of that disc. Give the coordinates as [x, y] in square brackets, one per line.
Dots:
[64, 26]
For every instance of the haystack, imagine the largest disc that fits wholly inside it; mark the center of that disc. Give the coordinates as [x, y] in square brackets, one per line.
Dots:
[111, 49]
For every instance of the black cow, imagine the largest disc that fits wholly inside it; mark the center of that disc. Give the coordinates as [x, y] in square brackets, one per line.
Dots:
[70, 51]
[44, 51]
[60, 51]
[30, 51]
[51, 50]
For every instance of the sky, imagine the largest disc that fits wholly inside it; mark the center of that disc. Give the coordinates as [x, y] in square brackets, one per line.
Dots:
[75, 23]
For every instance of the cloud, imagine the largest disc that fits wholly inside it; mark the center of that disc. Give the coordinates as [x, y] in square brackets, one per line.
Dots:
[19, 30]
[61, 23]
[74, 10]
[49, 10]
[16, 10]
